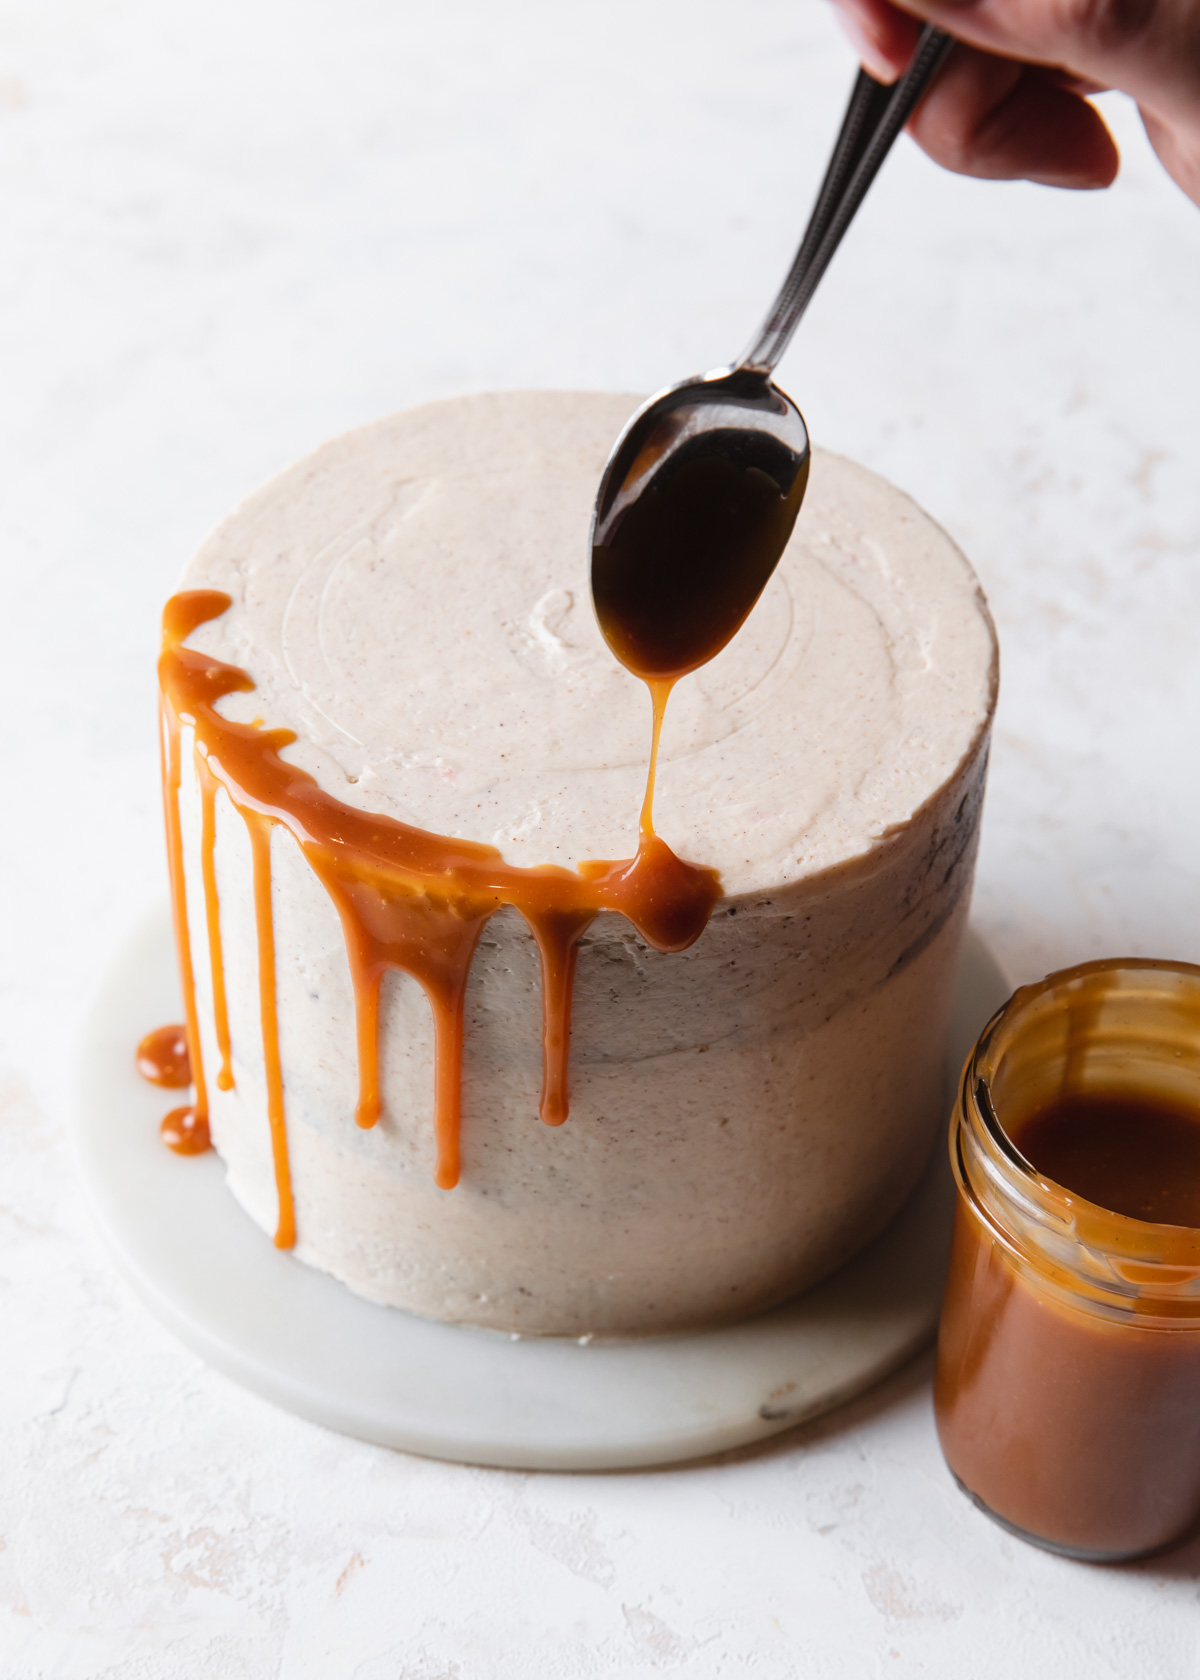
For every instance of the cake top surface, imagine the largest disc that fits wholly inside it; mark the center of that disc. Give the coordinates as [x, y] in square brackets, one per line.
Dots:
[412, 600]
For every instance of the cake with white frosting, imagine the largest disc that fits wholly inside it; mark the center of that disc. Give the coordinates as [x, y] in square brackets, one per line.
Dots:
[412, 602]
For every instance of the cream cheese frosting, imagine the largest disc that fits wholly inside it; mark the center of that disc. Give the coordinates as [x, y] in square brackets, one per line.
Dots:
[423, 623]
[412, 602]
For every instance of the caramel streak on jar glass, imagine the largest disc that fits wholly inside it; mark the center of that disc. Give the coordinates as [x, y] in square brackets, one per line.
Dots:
[1068, 1382]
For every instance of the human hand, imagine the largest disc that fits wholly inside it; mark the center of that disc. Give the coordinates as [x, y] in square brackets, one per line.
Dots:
[1011, 102]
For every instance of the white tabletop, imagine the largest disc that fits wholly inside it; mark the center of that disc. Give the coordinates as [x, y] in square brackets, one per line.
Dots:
[230, 230]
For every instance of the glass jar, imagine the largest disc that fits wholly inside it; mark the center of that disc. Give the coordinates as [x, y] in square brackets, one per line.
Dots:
[1068, 1381]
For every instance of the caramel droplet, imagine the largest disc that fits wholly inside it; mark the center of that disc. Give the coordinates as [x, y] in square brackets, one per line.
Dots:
[186, 1132]
[162, 1057]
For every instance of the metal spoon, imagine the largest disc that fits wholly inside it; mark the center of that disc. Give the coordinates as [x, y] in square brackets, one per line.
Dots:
[703, 486]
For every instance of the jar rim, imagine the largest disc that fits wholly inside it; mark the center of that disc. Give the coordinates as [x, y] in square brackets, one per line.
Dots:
[1123, 1253]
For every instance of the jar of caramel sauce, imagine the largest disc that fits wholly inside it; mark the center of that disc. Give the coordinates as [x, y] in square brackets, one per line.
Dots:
[1068, 1380]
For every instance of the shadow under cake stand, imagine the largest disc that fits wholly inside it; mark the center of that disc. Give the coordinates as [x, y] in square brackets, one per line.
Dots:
[304, 1341]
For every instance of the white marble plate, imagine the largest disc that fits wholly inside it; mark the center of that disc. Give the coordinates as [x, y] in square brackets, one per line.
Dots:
[303, 1340]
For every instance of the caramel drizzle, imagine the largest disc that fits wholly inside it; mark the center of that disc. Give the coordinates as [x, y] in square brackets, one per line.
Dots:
[407, 899]
[212, 918]
[660, 692]
[264, 924]
[192, 1121]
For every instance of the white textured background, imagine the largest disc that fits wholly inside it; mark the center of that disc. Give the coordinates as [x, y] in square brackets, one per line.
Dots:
[229, 229]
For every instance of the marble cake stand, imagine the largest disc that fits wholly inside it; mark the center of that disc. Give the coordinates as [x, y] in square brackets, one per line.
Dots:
[302, 1340]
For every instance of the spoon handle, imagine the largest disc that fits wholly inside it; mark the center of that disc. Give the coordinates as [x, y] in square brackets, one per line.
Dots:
[868, 102]
[874, 117]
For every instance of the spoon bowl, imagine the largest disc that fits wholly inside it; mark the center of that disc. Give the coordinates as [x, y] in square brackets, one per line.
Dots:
[703, 486]
[696, 505]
